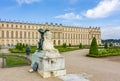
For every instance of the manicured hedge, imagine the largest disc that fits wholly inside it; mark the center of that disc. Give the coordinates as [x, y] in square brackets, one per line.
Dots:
[107, 52]
[33, 49]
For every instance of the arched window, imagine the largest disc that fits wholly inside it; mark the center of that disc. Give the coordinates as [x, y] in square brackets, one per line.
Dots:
[7, 34]
[54, 42]
[24, 34]
[7, 25]
[16, 34]
[25, 26]
[28, 34]
[12, 26]
[21, 26]
[2, 25]
[2, 34]
[16, 26]
[12, 35]
[36, 35]
[20, 34]
[58, 42]
[32, 34]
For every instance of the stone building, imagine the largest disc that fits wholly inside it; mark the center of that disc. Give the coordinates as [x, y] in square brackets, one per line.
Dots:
[12, 33]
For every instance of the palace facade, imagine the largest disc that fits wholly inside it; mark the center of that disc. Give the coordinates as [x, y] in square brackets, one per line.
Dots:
[12, 33]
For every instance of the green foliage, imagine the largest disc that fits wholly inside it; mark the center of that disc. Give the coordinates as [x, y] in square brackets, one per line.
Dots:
[69, 45]
[62, 49]
[23, 45]
[111, 45]
[64, 45]
[80, 46]
[107, 52]
[93, 47]
[19, 46]
[106, 46]
[15, 61]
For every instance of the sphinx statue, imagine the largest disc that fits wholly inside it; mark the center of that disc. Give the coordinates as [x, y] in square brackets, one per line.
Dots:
[47, 60]
[48, 43]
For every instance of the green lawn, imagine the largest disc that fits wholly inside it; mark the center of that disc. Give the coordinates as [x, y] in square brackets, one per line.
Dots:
[12, 61]
[62, 49]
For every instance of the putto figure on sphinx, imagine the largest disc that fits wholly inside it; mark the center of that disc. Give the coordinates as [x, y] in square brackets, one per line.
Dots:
[47, 60]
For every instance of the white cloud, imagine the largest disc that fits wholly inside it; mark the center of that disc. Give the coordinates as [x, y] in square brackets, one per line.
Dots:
[111, 32]
[27, 1]
[103, 9]
[69, 16]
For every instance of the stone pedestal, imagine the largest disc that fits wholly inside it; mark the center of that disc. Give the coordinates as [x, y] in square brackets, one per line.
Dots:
[49, 64]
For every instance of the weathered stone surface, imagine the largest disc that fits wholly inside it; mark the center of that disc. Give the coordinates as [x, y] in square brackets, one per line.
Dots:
[49, 65]
[50, 62]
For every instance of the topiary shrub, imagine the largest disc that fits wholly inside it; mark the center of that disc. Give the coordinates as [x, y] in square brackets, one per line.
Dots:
[64, 45]
[80, 46]
[23, 45]
[69, 45]
[94, 47]
[105, 45]
[111, 45]
[17, 46]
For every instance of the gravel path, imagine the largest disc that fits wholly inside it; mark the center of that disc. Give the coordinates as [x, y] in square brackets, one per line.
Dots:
[101, 69]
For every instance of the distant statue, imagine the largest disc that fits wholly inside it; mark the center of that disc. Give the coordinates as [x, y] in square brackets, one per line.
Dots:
[40, 43]
[27, 50]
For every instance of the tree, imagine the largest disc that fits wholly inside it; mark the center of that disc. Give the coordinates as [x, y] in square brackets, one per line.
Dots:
[17, 46]
[80, 46]
[20, 46]
[69, 45]
[64, 45]
[93, 47]
[23, 45]
[105, 45]
[111, 45]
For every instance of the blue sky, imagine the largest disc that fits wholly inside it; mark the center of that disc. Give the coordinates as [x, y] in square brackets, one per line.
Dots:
[84, 13]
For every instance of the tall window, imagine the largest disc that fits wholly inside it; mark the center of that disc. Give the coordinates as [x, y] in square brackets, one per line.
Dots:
[20, 34]
[2, 34]
[16, 34]
[28, 34]
[16, 26]
[7, 34]
[2, 25]
[7, 25]
[24, 34]
[12, 35]
[21, 26]
[36, 34]
[28, 27]
[25, 27]
[32, 34]
[12, 26]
